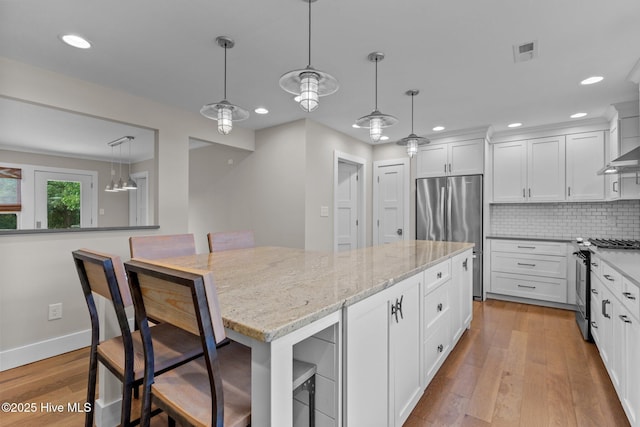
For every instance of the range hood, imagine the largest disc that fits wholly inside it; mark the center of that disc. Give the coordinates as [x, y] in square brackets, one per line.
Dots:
[629, 162]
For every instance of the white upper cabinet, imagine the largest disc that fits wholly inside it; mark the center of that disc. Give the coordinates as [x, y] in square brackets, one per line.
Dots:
[453, 158]
[529, 171]
[585, 156]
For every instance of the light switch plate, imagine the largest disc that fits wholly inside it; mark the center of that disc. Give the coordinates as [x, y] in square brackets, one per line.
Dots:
[324, 210]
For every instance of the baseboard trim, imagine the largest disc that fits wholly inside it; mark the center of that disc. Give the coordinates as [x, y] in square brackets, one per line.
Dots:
[19, 356]
[107, 415]
[551, 304]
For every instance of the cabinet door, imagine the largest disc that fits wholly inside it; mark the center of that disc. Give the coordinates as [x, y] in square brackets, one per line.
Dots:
[630, 186]
[432, 161]
[546, 169]
[367, 361]
[404, 327]
[585, 156]
[462, 293]
[509, 171]
[631, 401]
[466, 157]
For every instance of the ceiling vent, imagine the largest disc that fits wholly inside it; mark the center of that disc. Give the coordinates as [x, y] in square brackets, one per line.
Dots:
[525, 51]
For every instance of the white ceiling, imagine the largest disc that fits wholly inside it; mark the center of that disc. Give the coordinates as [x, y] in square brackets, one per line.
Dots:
[457, 53]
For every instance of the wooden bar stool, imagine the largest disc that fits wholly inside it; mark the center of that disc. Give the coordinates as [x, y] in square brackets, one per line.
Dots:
[304, 374]
[104, 275]
[214, 390]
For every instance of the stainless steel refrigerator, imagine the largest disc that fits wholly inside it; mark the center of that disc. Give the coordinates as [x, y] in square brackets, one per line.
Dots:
[450, 209]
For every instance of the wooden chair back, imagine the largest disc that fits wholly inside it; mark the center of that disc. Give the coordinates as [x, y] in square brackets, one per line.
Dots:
[227, 240]
[162, 246]
[187, 299]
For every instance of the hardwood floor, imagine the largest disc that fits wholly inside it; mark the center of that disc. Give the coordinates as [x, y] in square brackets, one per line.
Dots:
[518, 365]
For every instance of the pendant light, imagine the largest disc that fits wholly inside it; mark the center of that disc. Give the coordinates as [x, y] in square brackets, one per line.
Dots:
[224, 112]
[376, 120]
[120, 184]
[110, 188]
[308, 84]
[130, 184]
[412, 141]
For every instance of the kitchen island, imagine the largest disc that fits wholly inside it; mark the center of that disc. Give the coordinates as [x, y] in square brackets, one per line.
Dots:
[275, 299]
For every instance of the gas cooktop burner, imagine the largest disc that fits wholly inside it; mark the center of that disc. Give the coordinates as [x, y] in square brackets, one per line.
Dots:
[615, 244]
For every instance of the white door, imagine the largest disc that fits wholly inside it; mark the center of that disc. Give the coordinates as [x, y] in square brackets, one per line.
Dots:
[347, 206]
[546, 169]
[584, 157]
[390, 189]
[510, 171]
[45, 195]
[138, 201]
[432, 161]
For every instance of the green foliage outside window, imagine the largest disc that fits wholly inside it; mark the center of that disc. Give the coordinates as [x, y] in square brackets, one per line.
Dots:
[8, 221]
[63, 204]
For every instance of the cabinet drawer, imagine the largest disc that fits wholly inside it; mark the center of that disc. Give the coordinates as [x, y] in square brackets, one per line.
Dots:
[436, 346]
[530, 247]
[436, 304]
[612, 279]
[596, 267]
[536, 265]
[542, 288]
[631, 297]
[437, 275]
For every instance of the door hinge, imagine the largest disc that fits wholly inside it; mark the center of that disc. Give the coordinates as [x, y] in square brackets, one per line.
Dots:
[356, 222]
[378, 179]
[378, 223]
[357, 177]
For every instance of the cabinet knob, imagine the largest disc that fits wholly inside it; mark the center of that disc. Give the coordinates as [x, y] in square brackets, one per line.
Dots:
[629, 295]
[439, 275]
[594, 325]
[440, 348]
[624, 318]
[440, 307]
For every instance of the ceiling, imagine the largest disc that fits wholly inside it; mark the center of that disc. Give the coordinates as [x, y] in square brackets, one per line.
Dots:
[459, 54]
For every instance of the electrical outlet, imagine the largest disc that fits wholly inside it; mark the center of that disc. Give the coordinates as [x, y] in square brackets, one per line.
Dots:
[55, 311]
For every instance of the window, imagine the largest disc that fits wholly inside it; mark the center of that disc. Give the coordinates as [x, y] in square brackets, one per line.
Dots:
[10, 193]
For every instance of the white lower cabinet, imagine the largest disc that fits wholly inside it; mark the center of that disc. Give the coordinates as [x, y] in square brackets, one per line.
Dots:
[383, 356]
[398, 338]
[618, 334]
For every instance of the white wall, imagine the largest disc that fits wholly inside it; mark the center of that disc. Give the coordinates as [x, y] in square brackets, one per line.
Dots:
[37, 270]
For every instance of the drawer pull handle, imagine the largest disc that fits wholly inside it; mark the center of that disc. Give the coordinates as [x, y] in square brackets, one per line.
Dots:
[526, 247]
[629, 295]
[440, 348]
[465, 264]
[604, 308]
[528, 265]
[624, 318]
[609, 278]
[440, 307]
[439, 275]
[595, 264]
[526, 286]
[594, 325]
[594, 291]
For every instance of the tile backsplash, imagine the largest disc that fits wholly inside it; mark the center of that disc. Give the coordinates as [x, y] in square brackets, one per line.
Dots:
[615, 220]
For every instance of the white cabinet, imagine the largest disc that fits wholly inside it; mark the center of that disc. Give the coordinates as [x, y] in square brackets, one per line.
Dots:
[584, 157]
[617, 333]
[396, 340]
[453, 158]
[383, 356]
[529, 269]
[529, 171]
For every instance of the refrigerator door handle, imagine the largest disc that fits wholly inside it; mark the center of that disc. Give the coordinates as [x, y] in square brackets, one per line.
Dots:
[448, 221]
[442, 209]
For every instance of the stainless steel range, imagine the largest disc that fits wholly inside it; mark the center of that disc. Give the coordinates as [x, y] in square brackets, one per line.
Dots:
[582, 258]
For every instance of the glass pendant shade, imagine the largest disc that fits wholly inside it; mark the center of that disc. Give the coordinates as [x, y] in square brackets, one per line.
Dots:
[309, 91]
[413, 141]
[308, 84]
[111, 187]
[224, 112]
[130, 184]
[376, 120]
[225, 122]
[375, 129]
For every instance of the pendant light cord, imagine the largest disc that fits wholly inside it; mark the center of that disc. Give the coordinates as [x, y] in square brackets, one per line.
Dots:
[377, 60]
[412, 95]
[309, 63]
[225, 71]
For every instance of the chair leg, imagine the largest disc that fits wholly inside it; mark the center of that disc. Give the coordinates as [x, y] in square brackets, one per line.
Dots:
[125, 415]
[312, 401]
[91, 388]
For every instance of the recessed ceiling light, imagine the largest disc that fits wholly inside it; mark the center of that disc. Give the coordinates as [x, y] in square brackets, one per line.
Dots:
[592, 80]
[438, 128]
[75, 40]
[578, 115]
[355, 126]
[514, 125]
[384, 138]
[261, 110]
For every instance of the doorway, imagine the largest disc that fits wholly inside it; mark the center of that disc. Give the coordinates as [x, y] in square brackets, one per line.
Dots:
[390, 201]
[348, 202]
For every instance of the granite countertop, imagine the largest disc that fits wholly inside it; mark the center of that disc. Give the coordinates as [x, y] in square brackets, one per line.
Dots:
[267, 292]
[532, 238]
[625, 262]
